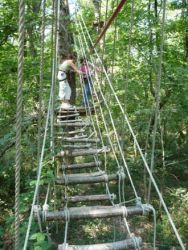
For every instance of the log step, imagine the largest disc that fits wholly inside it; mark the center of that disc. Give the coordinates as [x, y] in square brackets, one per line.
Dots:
[72, 133]
[132, 243]
[75, 153]
[68, 121]
[76, 146]
[80, 110]
[66, 113]
[72, 124]
[82, 165]
[98, 173]
[84, 198]
[67, 116]
[78, 139]
[96, 212]
[86, 178]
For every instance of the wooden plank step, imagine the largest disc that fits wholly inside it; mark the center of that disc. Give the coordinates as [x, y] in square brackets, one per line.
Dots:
[69, 121]
[75, 153]
[72, 133]
[96, 212]
[84, 137]
[84, 198]
[76, 146]
[85, 178]
[80, 110]
[132, 243]
[78, 140]
[66, 112]
[67, 116]
[98, 173]
[72, 124]
[82, 165]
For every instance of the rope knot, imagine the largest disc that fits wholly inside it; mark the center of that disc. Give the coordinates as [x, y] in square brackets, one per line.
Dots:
[124, 210]
[106, 178]
[65, 179]
[136, 242]
[36, 209]
[45, 208]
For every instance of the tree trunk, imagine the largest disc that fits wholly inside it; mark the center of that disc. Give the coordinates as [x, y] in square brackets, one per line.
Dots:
[66, 43]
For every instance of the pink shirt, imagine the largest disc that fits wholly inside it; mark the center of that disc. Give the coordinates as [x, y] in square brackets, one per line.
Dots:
[84, 68]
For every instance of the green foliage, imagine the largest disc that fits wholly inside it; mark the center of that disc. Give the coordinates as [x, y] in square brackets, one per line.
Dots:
[39, 242]
[134, 79]
[178, 210]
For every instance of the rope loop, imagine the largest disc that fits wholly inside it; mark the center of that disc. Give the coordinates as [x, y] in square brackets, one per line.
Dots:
[139, 204]
[45, 208]
[64, 246]
[124, 210]
[138, 201]
[66, 198]
[37, 214]
[36, 208]
[121, 173]
[106, 178]
[65, 179]
[112, 197]
[67, 214]
[136, 242]
[63, 167]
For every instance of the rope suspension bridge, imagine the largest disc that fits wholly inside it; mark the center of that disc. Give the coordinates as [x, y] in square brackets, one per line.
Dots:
[89, 139]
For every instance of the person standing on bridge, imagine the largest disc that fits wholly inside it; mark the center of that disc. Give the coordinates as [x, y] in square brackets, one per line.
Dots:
[87, 70]
[64, 88]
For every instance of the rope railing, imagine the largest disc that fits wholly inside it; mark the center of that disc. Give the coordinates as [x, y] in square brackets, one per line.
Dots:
[48, 122]
[19, 121]
[112, 122]
[39, 171]
[102, 114]
[135, 140]
[109, 139]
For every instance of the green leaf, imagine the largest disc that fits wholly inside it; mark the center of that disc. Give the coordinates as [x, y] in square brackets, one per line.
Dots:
[38, 236]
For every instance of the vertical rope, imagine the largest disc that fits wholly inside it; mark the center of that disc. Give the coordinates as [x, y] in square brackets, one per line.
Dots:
[41, 80]
[53, 80]
[19, 120]
[129, 47]
[114, 46]
[54, 73]
[157, 96]
[127, 70]
[150, 80]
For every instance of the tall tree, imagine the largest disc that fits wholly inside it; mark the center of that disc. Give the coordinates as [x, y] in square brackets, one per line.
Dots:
[66, 43]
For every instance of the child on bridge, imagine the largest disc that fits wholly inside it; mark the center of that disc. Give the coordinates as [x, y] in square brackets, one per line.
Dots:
[87, 70]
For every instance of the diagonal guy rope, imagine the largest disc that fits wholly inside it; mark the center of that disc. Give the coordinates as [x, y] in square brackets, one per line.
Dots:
[19, 121]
